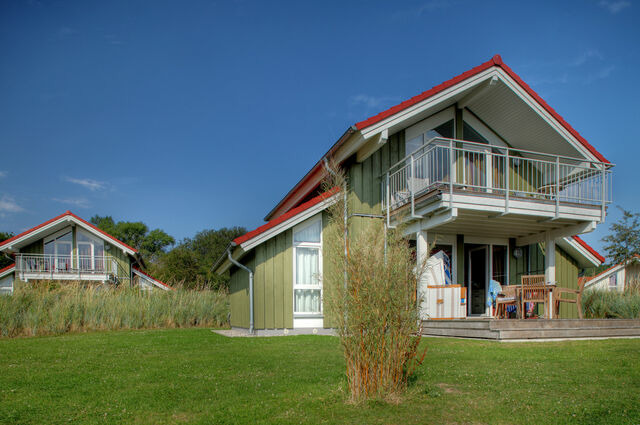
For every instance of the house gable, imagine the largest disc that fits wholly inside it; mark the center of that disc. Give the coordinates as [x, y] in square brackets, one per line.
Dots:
[487, 91]
[33, 235]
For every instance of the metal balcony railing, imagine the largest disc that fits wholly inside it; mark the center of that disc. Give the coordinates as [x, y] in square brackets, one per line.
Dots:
[65, 264]
[451, 165]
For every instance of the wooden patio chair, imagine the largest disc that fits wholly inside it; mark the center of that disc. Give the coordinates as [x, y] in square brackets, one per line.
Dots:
[533, 290]
[560, 296]
[507, 297]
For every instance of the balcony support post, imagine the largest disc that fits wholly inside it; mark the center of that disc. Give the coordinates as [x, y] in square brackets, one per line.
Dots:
[450, 175]
[411, 188]
[507, 173]
[603, 193]
[388, 204]
[557, 187]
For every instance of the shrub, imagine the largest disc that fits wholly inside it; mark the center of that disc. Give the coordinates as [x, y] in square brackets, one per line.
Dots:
[43, 310]
[605, 304]
[371, 296]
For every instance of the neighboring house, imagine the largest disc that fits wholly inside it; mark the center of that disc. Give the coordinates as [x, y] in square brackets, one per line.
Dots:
[618, 277]
[68, 248]
[480, 165]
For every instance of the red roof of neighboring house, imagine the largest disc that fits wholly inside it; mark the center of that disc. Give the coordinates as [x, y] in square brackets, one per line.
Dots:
[495, 61]
[66, 213]
[153, 278]
[589, 248]
[9, 267]
[289, 214]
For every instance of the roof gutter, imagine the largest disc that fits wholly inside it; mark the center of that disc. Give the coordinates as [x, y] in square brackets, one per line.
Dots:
[247, 269]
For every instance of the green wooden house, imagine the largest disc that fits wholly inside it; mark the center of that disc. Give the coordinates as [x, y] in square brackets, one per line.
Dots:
[68, 248]
[479, 165]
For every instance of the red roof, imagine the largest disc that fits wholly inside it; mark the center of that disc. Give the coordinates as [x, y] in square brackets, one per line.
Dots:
[66, 213]
[4, 269]
[153, 278]
[289, 214]
[589, 248]
[495, 61]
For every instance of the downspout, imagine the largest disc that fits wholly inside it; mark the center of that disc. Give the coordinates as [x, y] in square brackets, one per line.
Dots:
[248, 270]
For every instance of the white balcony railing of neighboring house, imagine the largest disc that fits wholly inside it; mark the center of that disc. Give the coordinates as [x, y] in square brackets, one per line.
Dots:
[51, 265]
[451, 165]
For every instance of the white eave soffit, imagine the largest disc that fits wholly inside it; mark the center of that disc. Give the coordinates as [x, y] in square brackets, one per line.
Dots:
[434, 103]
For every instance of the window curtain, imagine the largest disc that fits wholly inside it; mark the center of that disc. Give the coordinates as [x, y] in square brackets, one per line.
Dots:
[307, 301]
[307, 265]
[310, 233]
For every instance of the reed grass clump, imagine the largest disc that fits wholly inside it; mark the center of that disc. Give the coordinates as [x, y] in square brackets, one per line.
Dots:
[605, 304]
[37, 310]
[371, 296]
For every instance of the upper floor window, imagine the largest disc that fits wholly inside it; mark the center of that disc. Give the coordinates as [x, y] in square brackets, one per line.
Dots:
[58, 250]
[613, 280]
[444, 130]
[90, 251]
[307, 281]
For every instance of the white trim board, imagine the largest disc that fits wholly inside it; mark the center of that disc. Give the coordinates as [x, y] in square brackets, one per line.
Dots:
[69, 219]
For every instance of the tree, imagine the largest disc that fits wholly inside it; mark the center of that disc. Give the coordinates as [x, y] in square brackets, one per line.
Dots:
[624, 240]
[191, 262]
[136, 234]
[4, 261]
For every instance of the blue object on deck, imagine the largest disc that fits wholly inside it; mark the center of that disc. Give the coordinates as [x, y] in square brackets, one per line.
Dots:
[494, 290]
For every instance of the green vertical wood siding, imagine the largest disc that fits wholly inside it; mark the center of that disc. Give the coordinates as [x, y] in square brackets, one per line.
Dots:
[36, 247]
[567, 276]
[273, 285]
[365, 179]
[239, 293]
[532, 262]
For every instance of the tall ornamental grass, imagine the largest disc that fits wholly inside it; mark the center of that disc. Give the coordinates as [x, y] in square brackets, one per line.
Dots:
[605, 304]
[32, 311]
[375, 310]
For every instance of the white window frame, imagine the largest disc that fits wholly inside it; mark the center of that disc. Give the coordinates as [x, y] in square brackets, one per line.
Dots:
[53, 237]
[94, 242]
[313, 245]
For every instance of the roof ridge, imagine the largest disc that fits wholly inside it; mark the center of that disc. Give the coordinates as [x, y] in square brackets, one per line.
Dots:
[58, 217]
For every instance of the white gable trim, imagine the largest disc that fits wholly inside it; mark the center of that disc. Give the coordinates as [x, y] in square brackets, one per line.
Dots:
[287, 224]
[150, 280]
[545, 115]
[247, 246]
[8, 271]
[70, 219]
[572, 244]
[433, 101]
[430, 102]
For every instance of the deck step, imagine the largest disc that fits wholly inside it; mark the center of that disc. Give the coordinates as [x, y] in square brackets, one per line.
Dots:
[532, 329]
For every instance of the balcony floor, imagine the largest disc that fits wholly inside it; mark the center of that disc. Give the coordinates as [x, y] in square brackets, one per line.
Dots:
[490, 215]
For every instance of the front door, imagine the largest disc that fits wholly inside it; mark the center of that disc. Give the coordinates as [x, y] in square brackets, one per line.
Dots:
[477, 280]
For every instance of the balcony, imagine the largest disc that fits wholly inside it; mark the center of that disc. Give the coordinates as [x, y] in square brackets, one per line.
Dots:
[66, 267]
[449, 173]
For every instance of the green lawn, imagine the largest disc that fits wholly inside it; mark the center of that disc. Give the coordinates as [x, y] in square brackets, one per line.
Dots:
[196, 376]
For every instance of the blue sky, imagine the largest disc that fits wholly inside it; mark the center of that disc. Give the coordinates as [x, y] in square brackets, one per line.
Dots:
[202, 114]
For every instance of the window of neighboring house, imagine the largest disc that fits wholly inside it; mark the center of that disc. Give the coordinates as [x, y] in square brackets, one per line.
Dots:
[307, 279]
[613, 280]
[58, 251]
[90, 251]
